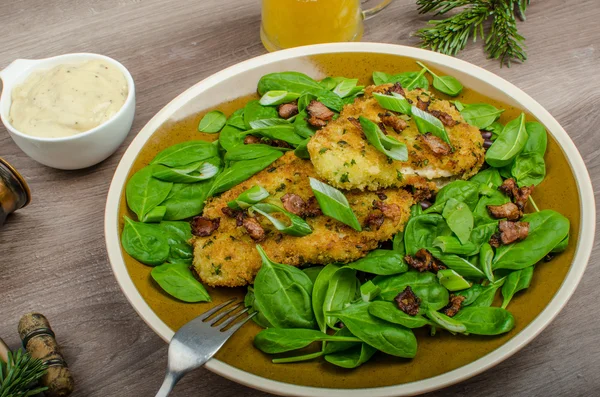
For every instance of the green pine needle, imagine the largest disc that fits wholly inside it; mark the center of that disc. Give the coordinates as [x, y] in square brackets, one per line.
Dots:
[19, 376]
[450, 35]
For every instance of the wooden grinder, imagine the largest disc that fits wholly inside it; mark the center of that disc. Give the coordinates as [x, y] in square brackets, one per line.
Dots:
[38, 339]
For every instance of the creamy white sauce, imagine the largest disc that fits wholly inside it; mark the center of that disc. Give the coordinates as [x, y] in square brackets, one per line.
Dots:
[68, 99]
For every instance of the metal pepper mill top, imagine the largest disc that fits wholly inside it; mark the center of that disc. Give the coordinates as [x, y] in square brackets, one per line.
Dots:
[14, 191]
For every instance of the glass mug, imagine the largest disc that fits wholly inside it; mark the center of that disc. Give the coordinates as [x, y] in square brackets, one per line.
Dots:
[293, 23]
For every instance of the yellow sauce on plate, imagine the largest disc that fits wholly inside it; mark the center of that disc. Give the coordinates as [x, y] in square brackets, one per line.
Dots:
[68, 99]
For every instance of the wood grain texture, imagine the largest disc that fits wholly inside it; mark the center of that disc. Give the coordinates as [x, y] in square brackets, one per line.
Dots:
[52, 255]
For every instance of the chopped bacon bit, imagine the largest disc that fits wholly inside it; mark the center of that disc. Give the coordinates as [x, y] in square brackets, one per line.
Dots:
[454, 306]
[518, 195]
[444, 117]
[254, 229]
[513, 231]
[509, 187]
[312, 208]
[392, 211]
[287, 110]
[251, 140]
[495, 240]
[523, 195]
[204, 227]
[424, 106]
[382, 128]
[355, 122]
[237, 214]
[294, 204]
[318, 114]
[437, 146]
[423, 194]
[397, 88]
[424, 261]
[509, 211]
[374, 220]
[393, 121]
[280, 143]
[408, 302]
[381, 196]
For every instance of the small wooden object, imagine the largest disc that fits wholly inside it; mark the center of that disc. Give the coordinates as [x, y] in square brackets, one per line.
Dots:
[38, 338]
[3, 351]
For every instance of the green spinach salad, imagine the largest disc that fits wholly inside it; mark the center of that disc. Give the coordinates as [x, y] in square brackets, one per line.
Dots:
[466, 241]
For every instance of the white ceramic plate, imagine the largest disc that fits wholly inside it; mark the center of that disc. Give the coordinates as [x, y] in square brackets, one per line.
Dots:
[242, 79]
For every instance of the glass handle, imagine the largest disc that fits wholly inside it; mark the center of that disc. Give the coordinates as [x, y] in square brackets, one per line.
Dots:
[371, 12]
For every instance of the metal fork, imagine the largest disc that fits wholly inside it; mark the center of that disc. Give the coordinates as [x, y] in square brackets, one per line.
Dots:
[197, 341]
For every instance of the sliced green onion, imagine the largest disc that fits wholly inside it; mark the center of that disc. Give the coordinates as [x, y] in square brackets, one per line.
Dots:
[387, 145]
[452, 245]
[394, 102]
[248, 198]
[369, 291]
[452, 281]
[446, 322]
[333, 203]
[345, 87]
[155, 215]
[298, 226]
[272, 98]
[426, 122]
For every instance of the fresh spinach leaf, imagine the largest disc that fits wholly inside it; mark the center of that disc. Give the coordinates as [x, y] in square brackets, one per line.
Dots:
[145, 243]
[353, 357]
[186, 200]
[481, 214]
[284, 132]
[508, 144]
[410, 80]
[547, 229]
[179, 282]
[485, 320]
[295, 225]
[516, 281]
[398, 244]
[380, 262]
[486, 256]
[231, 137]
[143, 192]
[538, 138]
[301, 150]
[489, 177]
[237, 119]
[389, 312]
[391, 339]
[529, 169]
[459, 264]
[251, 152]
[421, 231]
[446, 322]
[380, 78]
[190, 173]
[319, 293]
[301, 126]
[312, 273]
[562, 246]
[186, 153]
[178, 235]
[465, 191]
[470, 294]
[212, 122]
[248, 198]
[391, 286]
[240, 171]
[445, 84]
[283, 293]
[281, 340]
[480, 115]
[459, 219]
[255, 111]
[345, 87]
[342, 290]
[252, 305]
[488, 294]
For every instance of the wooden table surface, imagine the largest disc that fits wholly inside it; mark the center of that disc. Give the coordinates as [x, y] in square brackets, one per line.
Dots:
[52, 255]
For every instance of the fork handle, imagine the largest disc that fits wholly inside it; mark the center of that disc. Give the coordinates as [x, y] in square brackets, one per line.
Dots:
[168, 384]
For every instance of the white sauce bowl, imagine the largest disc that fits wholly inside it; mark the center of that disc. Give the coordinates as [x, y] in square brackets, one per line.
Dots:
[73, 152]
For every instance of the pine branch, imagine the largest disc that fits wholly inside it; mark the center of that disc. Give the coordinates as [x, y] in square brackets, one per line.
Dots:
[442, 6]
[504, 42]
[450, 35]
[19, 375]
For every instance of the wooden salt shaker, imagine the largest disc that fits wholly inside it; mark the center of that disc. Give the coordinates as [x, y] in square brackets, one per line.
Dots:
[38, 338]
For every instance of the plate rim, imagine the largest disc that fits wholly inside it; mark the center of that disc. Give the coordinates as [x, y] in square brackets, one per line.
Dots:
[562, 296]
